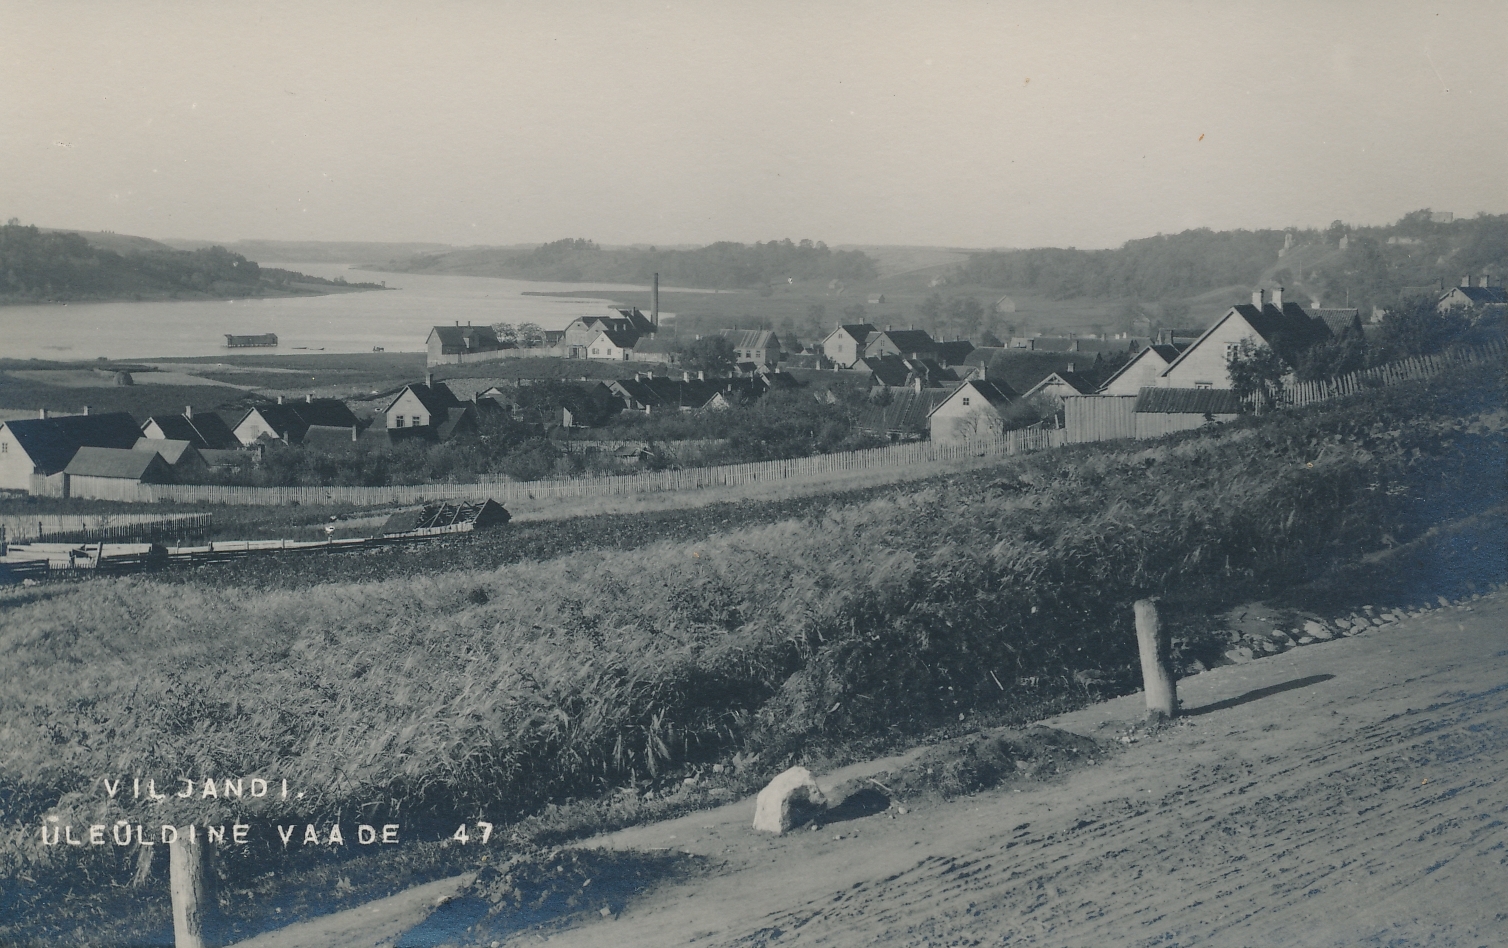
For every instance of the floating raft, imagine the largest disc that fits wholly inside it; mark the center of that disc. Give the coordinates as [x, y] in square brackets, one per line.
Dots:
[266, 339]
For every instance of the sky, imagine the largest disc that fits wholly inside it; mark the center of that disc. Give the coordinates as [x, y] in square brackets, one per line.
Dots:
[963, 124]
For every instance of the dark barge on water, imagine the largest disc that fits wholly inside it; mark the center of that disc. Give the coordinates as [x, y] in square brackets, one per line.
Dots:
[266, 339]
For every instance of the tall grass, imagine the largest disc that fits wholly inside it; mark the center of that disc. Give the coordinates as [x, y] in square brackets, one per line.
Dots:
[483, 693]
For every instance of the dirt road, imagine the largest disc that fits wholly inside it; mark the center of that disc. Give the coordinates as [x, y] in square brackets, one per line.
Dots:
[1352, 792]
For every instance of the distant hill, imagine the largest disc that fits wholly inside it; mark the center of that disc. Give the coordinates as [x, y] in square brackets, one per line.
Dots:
[723, 265]
[316, 251]
[41, 266]
[1374, 266]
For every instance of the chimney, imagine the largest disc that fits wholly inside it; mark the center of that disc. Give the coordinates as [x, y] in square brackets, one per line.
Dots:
[41, 413]
[429, 379]
[309, 399]
[280, 399]
[1466, 280]
[1482, 280]
[1259, 298]
[1070, 366]
[1277, 297]
[654, 303]
[701, 376]
[86, 409]
[353, 432]
[188, 411]
[685, 376]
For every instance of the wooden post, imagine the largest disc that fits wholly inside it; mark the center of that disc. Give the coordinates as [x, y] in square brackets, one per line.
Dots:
[1156, 662]
[188, 879]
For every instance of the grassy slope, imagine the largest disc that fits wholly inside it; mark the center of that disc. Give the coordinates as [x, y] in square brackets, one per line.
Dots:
[485, 691]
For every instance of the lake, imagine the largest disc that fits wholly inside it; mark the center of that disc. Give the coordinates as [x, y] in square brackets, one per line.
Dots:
[398, 320]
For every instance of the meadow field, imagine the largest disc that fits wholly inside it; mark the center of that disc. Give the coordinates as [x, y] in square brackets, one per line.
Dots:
[632, 652]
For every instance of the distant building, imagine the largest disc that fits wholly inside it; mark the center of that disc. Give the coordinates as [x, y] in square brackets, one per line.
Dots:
[846, 344]
[204, 430]
[1468, 296]
[263, 340]
[754, 346]
[428, 410]
[907, 343]
[452, 344]
[291, 421]
[626, 329]
[1058, 385]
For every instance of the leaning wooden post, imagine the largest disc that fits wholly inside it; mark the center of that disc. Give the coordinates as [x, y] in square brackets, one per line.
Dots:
[1156, 662]
[188, 878]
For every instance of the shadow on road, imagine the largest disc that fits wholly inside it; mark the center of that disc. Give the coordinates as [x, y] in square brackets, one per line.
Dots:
[1256, 695]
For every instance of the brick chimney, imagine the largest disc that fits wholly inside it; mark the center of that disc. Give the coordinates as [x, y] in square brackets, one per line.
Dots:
[41, 413]
[309, 399]
[1070, 366]
[1483, 280]
[86, 409]
[188, 411]
[280, 399]
[1277, 297]
[1259, 298]
[1466, 280]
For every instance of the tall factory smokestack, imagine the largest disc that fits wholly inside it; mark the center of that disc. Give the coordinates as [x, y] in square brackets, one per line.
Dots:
[654, 304]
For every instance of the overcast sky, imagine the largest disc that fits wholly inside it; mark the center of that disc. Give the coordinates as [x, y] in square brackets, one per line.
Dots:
[942, 123]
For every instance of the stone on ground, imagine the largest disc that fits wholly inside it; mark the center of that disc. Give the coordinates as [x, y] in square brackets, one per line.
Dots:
[788, 799]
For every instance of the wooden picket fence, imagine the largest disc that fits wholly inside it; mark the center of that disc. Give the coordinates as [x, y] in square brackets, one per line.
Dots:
[503, 491]
[1406, 370]
[79, 527]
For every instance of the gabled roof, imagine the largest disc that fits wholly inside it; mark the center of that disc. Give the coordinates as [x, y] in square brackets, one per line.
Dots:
[890, 370]
[905, 414]
[621, 339]
[204, 430]
[859, 331]
[116, 462]
[1197, 401]
[997, 394]
[637, 321]
[1162, 352]
[454, 417]
[435, 397]
[52, 442]
[172, 450]
[1288, 331]
[908, 341]
[455, 339]
[954, 353]
[1077, 381]
[291, 419]
[751, 338]
[1479, 295]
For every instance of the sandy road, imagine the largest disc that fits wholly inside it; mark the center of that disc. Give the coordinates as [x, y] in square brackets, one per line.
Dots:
[1352, 792]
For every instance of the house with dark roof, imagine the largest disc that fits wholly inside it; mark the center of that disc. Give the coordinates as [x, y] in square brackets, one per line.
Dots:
[902, 415]
[1467, 296]
[453, 344]
[204, 430]
[953, 353]
[906, 343]
[428, 410]
[1141, 370]
[1161, 411]
[612, 345]
[846, 345]
[35, 451]
[976, 409]
[290, 421]
[625, 330]
[181, 456]
[1285, 328]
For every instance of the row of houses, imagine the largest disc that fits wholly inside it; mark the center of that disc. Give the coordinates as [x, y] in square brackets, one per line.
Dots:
[85, 455]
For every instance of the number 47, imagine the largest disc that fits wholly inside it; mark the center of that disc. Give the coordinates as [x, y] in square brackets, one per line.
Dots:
[484, 828]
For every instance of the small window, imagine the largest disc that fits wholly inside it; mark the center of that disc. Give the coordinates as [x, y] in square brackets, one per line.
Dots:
[1232, 350]
[4, 447]
[401, 421]
[1204, 384]
[966, 401]
[594, 351]
[416, 422]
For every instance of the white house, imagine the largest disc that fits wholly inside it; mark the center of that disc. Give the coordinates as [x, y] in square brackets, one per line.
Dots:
[1283, 327]
[845, 345]
[976, 409]
[1141, 370]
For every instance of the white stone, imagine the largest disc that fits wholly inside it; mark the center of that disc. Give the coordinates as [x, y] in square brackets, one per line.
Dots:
[781, 804]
